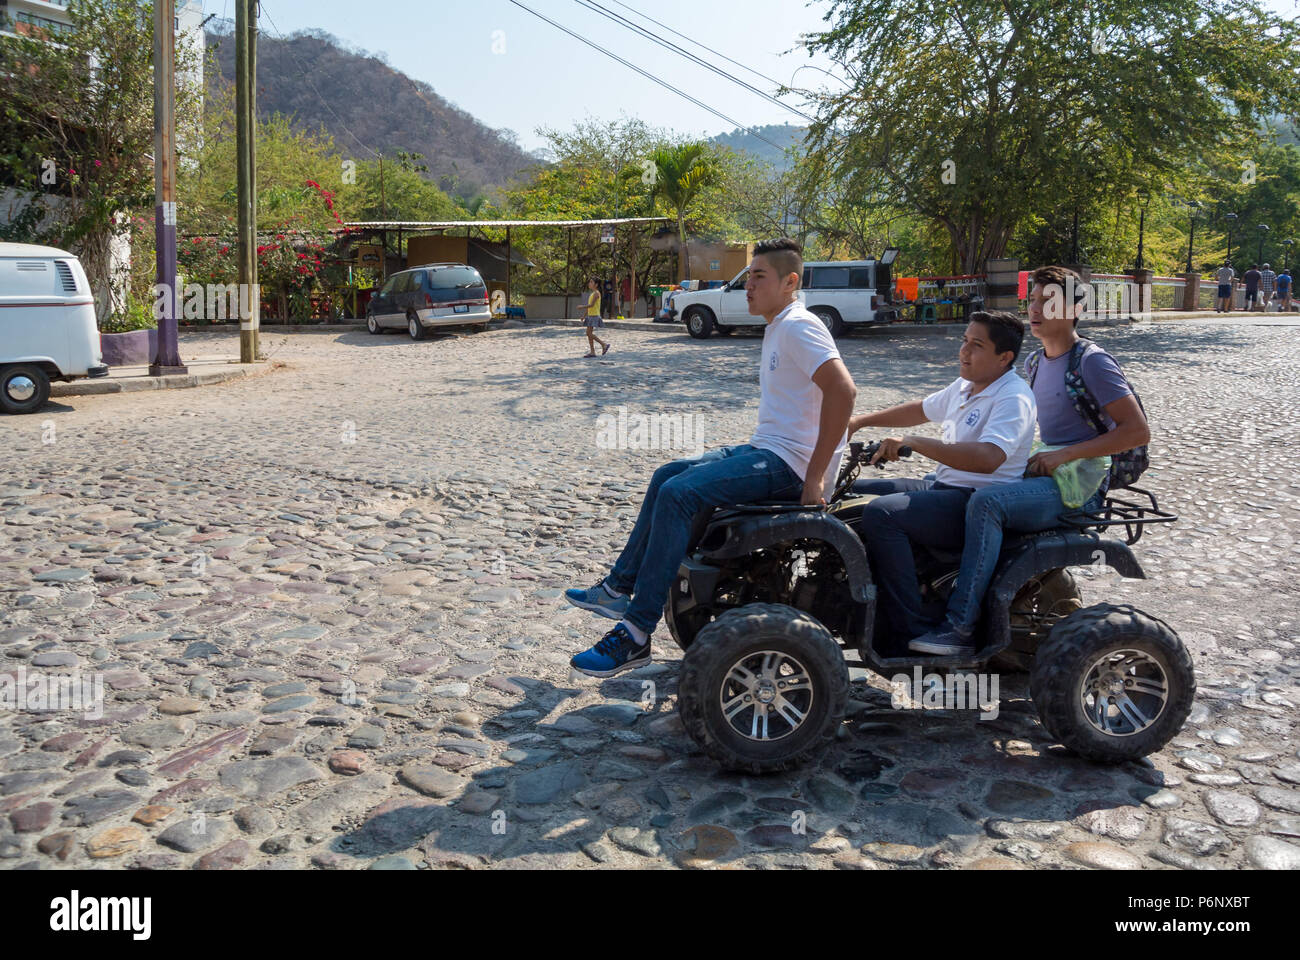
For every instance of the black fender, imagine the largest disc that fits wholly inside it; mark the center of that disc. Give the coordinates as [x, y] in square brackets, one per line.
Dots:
[1040, 553]
[739, 535]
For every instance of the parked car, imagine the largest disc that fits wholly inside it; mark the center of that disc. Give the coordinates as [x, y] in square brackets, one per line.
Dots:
[47, 325]
[842, 293]
[434, 295]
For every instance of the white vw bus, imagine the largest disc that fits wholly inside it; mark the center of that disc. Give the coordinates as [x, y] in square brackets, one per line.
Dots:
[47, 325]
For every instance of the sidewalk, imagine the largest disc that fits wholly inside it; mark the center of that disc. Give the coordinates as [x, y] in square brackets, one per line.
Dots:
[203, 370]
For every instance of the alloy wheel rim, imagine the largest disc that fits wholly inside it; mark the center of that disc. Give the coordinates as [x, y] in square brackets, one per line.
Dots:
[1124, 692]
[766, 695]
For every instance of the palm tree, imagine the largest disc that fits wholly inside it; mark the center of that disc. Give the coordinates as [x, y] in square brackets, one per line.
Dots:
[681, 172]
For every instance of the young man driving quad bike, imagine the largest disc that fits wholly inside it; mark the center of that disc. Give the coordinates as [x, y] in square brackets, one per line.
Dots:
[806, 396]
[988, 418]
[1087, 413]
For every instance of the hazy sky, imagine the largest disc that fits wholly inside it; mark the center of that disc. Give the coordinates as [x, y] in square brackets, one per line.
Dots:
[544, 77]
[510, 69]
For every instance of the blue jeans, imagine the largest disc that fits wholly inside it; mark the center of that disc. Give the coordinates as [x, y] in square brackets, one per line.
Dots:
[1027, 506]
[677, 491]
[905, 512]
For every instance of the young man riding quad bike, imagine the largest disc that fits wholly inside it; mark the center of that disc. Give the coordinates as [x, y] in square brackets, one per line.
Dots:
[770, 597]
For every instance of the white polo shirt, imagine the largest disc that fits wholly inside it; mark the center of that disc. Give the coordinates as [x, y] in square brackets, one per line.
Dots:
[795, 344]
[1004, 414]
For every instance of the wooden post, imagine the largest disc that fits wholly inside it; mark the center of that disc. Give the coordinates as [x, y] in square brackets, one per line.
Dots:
[568, 259]
[246, 189]
[632, 274]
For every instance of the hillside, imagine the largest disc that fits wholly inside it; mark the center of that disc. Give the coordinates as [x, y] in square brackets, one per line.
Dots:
[358, 99]
[785, 134]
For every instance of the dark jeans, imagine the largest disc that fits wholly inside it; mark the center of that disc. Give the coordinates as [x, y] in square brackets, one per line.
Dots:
[1029, 506]
[677, 491]
[905, 512]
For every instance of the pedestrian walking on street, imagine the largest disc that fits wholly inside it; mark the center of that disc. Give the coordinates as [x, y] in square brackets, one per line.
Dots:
[1284, 287]
[1252, 278]
[1226, 275]
[592, 320]
[1266, 279]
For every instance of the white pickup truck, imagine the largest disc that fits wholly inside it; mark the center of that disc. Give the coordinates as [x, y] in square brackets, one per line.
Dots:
[841, 293]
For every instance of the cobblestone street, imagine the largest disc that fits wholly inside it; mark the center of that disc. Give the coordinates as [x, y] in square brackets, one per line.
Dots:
[325, 603]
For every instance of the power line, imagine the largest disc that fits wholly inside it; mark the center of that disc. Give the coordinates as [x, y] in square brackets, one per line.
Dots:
[682, 52]
[648, 76]
[657, 23]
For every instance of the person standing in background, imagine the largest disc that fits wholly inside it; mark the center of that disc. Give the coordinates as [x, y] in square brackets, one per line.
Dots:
[1266, 280]
[1252, 278]
[1225, 277]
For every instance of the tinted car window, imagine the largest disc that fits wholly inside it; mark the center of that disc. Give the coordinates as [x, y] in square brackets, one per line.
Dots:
[860, 278]
[832, 277]
[390, 286]
[455, 283]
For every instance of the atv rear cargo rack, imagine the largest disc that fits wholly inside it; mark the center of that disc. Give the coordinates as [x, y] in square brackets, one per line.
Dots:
[1116, 512]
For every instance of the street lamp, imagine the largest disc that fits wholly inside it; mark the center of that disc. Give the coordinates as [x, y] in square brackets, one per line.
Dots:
[1286, 247]
[1231, 218]
[1263, 229]
[1192, 209]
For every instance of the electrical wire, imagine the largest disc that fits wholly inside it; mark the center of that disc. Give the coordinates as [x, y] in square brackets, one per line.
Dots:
[682, 52]
[702, 46]
[649, 76]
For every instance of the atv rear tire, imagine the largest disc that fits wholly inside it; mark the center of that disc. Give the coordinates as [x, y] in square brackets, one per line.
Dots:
[780, 676]
[1113, 683]
[1054, 594]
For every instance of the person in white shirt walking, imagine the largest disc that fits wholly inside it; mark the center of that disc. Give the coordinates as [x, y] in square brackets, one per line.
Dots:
[988, 415]
[805, 398]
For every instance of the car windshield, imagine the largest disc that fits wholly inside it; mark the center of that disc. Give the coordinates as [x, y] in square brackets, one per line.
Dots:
[456, 283]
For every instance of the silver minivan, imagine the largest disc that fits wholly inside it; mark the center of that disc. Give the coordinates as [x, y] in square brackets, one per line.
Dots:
[47, 325]
[434, 295]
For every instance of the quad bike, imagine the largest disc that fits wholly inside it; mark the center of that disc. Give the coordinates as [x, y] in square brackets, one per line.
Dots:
[770, 596]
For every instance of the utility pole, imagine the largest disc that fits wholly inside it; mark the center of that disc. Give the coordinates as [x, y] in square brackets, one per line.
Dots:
[167, 359]
[246, 152]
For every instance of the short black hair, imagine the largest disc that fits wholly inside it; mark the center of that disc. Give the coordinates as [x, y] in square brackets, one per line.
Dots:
[1006, 330]
[786, 256]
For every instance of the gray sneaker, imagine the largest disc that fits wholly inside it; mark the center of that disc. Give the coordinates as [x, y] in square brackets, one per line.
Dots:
[597, 600]
[943, 643]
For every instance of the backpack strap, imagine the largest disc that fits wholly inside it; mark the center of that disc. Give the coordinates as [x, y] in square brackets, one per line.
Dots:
[1084, 400]
[1031, 365]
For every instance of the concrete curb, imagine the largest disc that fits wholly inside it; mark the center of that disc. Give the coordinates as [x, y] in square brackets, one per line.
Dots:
[90, 388]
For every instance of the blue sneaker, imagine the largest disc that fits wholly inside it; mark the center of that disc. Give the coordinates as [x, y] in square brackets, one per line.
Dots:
[599, 600]
[616, 652]
[944, 642]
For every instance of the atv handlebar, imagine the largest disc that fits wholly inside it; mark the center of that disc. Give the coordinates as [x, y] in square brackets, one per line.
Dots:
[860, 455]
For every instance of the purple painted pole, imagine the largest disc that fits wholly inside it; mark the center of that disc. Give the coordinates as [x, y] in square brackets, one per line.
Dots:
[167, 359]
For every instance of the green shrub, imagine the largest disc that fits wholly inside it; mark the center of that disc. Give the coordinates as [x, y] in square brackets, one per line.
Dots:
[135, 316]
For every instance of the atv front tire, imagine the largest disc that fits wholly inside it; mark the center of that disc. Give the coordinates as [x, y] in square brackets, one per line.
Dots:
[763, 688]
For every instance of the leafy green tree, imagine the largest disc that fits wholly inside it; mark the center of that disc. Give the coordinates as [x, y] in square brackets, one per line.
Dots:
[76, 129]
[984, 117]
[681, 172]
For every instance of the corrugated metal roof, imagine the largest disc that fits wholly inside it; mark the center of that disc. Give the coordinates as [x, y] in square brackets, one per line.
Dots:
[448, 224]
